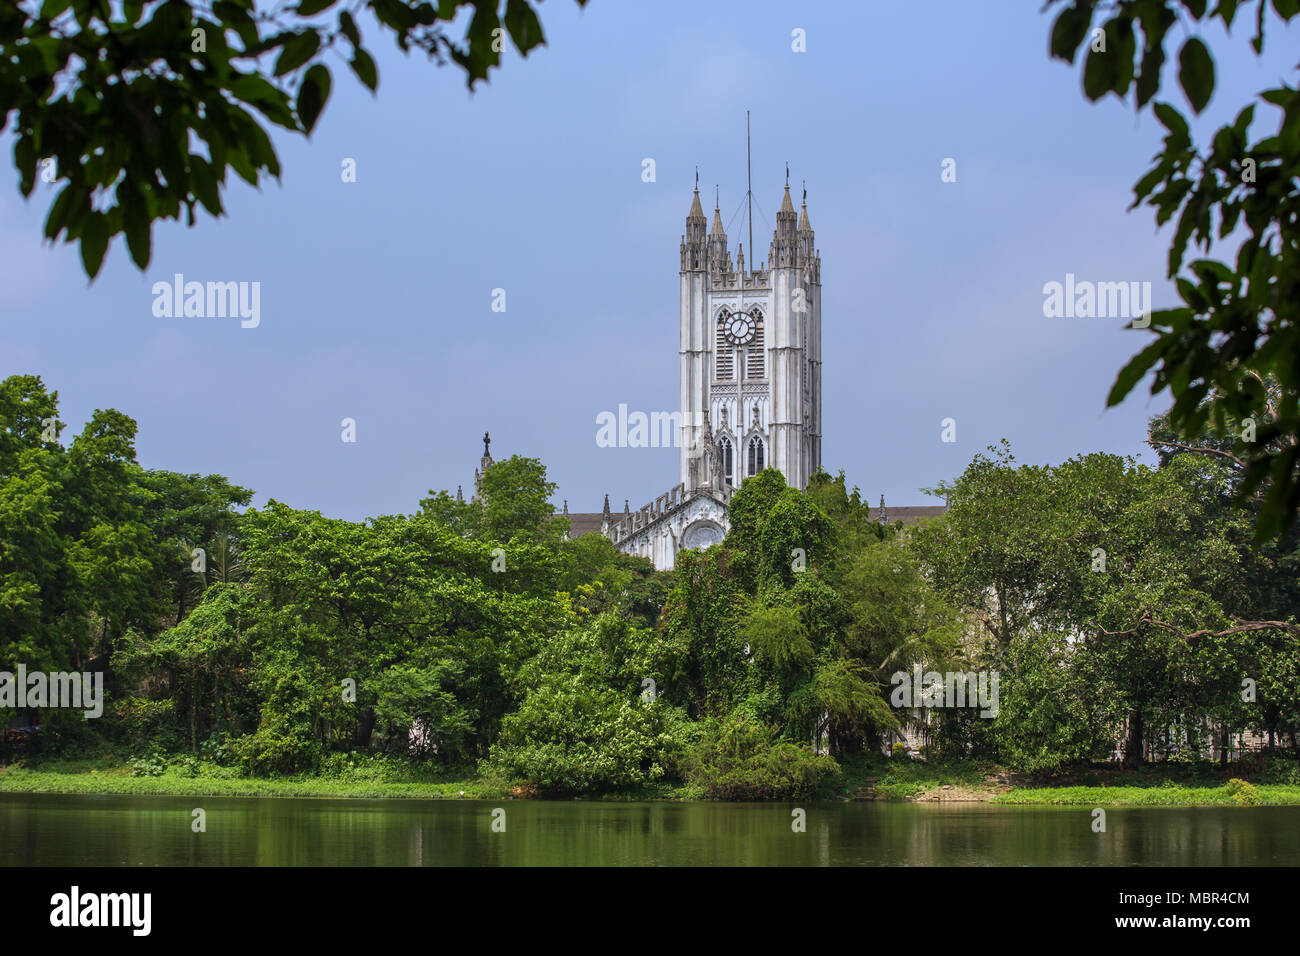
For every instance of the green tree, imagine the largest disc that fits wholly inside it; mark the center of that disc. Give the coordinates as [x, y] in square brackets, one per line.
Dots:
[516, 500]
[186, 513]
[584, 723]
[1239, 325]
[704, 665]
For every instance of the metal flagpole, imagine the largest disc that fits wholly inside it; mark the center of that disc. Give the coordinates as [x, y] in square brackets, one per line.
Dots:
[749, 192]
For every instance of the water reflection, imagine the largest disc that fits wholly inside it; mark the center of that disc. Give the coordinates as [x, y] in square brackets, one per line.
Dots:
[57, 829]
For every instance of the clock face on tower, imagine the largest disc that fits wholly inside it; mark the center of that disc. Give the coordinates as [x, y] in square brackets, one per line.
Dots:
[738, 327]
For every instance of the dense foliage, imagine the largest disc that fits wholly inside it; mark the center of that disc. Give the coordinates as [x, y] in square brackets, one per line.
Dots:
[141, 108]
[1124, 608]
[1230, 353]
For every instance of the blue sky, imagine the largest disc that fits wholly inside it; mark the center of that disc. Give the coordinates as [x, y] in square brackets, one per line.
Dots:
[376, 295]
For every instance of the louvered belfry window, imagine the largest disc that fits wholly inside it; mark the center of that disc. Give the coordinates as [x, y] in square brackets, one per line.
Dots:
[754, 361]
[726, 356]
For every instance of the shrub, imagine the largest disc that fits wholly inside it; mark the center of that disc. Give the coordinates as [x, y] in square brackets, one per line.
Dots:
[1281, 770]
[741, 759]
[151, 765]
[572, 736]
[145, 724]
[1242, 791]
[271, 750]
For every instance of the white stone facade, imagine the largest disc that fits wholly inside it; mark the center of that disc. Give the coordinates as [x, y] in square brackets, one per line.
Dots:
[750, 381]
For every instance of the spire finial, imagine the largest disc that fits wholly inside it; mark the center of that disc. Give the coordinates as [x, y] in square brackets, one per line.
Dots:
[697, 177]
[487, 440]
[717, 196]
[805, 192]
[787, 174]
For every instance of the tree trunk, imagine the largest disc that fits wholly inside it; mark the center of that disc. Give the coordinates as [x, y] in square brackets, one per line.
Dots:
[194, 714]
[1133, 746]
[367, 727]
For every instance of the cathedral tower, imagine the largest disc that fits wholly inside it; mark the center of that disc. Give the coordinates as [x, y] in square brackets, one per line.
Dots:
[750, 353]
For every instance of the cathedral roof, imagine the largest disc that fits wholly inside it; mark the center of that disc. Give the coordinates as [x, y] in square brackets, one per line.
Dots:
[911, 516]
[584, 522]
[581, 522]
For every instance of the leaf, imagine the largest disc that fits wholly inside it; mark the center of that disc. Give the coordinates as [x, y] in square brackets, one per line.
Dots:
[237, 157]
[139, 235]
[363, 65]
[307, 8]
[1155, 24]
[313, 93]
[25, 161]
[1099, 75]
[94, 243]
[348, 27]
[204, 185]
[525, 29]
[269, 99]
[1068, 32]
[1226, 10]
[135, 221]
[62, 209]
[1196, 73]
[1125, 49]
[297, 51]
[1242, 123]
[1133, 372]
[1146, 184]
[1171, 119]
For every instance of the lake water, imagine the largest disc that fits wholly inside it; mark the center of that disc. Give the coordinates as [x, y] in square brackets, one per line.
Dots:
[71, 830]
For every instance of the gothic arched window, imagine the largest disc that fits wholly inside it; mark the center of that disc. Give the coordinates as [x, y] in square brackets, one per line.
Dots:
[755, 456]
[724, 454]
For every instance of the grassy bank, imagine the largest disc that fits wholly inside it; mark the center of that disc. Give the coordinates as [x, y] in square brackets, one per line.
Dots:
[365, 779]
[873, 777]
[862, 777]
[113, 776]
[1228, 795]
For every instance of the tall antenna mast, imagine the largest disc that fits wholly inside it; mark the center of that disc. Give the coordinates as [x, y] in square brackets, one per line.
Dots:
[749, 192]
